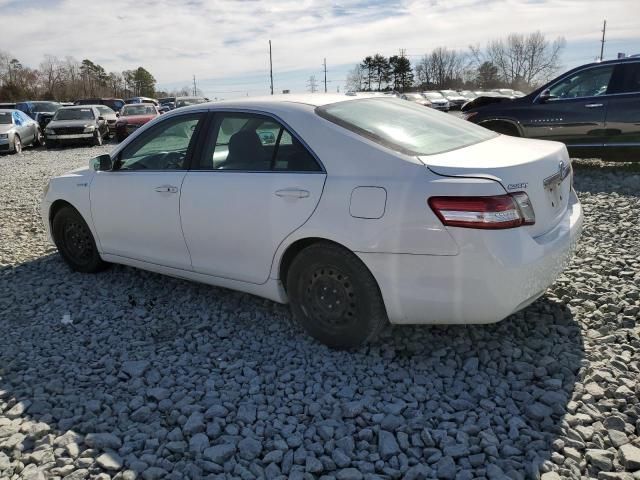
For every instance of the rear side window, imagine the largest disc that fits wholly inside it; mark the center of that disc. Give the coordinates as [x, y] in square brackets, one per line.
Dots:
[255, 143]
[403, 126]
[626, 78]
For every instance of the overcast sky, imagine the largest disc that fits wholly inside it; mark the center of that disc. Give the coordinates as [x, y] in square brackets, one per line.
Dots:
[224, 43]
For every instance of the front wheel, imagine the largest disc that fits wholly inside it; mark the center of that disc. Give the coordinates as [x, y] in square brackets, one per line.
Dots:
[97, 138]
[75, 242]
[335, 297]
[39, 140]
[17, 144]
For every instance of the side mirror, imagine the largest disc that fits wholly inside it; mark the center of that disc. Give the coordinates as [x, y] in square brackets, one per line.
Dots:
[101, 163]
[117, 114]
[545, 96]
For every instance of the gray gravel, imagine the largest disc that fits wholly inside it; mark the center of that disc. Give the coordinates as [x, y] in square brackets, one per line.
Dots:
[128, 374]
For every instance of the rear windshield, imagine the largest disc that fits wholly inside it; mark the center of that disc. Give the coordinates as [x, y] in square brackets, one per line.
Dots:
[74, 114]
[141, 109]
[404, 126]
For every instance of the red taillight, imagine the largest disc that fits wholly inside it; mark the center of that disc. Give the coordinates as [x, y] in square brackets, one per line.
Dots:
[494, 212]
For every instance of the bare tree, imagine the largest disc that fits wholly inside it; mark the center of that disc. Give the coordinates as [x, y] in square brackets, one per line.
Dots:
[525, 60]
[51, 74]
[355, 79]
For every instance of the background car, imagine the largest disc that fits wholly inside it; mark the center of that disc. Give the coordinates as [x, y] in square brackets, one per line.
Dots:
[594, 109]
[132, 117]
[438, 101]
[17, 130]
[135, 100]
[110, 116]
[416, 98]
[114, 104]
[77, 124]
[168, 102]
[455, 99]
[186, 101]
[356, 210]
[41, 112]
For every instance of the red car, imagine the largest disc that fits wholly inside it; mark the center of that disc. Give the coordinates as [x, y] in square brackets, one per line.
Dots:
[133, 117]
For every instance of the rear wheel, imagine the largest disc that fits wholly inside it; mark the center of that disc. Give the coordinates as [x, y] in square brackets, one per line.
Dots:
[17, 144]
[335, 297]
[504, 128]
[39, 138]
[75, 242]
[50, 144]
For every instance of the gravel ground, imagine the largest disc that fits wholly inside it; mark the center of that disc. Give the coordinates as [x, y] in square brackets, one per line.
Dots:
[129, 374]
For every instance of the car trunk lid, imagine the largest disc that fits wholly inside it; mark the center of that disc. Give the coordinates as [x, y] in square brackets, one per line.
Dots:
[542, 169]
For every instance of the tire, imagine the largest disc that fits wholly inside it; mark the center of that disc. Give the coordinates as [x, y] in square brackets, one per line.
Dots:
[335, 297]
[97, 139]
[75, 242]
[17, 145]
[50, 144]
[39, 138]
[120, 138]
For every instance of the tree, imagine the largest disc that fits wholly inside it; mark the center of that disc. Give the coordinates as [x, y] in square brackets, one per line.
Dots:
[355, 79]
[369, 71]
[401, 72]
[381, 70]
[51, 73]
[487, 76]
[525, 60]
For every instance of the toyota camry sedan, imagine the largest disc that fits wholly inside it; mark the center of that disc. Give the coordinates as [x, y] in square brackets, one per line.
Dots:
[357, 211]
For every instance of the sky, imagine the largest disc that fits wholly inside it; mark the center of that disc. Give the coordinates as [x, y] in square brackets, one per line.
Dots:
[225, 43]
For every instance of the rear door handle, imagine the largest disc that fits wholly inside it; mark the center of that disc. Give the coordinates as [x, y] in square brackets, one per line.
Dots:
[293, 193]
[166, 189]
[593, 105]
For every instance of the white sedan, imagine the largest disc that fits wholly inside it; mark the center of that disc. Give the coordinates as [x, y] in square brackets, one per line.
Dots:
[357, 211]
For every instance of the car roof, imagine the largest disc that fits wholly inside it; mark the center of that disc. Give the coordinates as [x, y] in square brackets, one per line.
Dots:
[8, 110]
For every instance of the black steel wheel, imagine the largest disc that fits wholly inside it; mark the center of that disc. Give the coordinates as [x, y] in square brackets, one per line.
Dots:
[75, 241]
[334, 296]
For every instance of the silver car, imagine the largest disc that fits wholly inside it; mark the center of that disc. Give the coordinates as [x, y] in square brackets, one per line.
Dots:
[17, 130]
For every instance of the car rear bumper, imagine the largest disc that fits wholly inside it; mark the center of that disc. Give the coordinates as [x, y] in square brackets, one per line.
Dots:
[496, 273]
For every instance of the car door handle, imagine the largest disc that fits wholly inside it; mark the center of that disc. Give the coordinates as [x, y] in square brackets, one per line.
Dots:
[292, 193]
[166, 189]
[593, 105]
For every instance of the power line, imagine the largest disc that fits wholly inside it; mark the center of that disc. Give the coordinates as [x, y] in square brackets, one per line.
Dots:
[604, 30]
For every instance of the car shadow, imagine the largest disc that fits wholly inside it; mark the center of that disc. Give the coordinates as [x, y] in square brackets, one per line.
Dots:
[135, 354]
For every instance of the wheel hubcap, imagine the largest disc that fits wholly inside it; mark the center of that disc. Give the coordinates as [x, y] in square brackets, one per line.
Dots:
[77, 240]
[330, 297]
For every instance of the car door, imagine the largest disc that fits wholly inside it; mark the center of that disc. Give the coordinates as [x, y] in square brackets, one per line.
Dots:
[254, 184]
[135, 206]
[574, 110]
[623, 113]
[23, 128]
[30, 127]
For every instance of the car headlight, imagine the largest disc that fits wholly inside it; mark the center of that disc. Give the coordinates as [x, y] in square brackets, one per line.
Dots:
[89, 128]
[4, 135]
[49, 131]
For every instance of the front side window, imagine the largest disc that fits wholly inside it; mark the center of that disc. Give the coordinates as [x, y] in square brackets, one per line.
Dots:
[164, 147]
[592, 82]
[626, 78]
[404, 126]
[105, 111]
[5, 118]
[257, 143]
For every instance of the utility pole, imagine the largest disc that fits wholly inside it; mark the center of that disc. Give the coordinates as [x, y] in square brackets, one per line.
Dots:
[604, 30]
[312, 84]
[325, 75]
[271, 67]
[195, 89]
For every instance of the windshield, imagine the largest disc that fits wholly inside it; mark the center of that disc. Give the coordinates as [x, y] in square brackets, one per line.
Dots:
[74, 114]
[183, 102]
[49, 107]
[5, 118]
[130, 110]
[433, 95]
[414, 96]
[106, 111]
[404, 126]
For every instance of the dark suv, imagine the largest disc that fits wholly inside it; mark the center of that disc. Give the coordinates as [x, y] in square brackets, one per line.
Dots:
[594, 109]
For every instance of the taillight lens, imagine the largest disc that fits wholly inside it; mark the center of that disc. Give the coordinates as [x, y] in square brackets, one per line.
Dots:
[493, 212]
